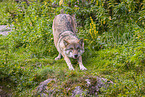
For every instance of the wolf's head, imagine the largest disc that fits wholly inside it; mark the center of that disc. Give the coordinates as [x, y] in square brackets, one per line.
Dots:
[74, 50]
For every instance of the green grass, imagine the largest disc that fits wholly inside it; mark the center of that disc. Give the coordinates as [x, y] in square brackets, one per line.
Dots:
[124, 65]
[114, 48]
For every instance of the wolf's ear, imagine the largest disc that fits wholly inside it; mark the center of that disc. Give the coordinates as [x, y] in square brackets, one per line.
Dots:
[81, 42]
[65, 42]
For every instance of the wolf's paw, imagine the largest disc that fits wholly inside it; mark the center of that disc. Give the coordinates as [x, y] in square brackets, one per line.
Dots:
[71, 68]
[57, 58]
[83, 68]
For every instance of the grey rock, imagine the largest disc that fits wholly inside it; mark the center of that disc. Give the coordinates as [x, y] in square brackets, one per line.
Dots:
[5, 29]
[78, 92]
[91, 87]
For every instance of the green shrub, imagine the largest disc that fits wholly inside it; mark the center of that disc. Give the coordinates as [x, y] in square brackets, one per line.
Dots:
[8, 11]
[33, 30]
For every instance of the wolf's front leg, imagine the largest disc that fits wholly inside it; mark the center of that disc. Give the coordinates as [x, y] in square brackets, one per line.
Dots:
[81, 64]
[58, 57]
[68, 63]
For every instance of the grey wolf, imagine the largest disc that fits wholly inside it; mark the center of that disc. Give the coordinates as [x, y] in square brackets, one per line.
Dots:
[66, 42]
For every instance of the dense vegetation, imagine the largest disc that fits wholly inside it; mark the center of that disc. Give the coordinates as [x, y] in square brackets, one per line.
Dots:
[113, 32]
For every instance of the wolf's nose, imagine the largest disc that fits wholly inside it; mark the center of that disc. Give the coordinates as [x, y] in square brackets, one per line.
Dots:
[75, 55]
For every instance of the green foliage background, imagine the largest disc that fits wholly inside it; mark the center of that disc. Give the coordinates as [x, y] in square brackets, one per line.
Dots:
[114, 36]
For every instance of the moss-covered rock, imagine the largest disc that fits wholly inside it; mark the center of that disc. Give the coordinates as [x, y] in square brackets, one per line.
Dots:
[73, 86]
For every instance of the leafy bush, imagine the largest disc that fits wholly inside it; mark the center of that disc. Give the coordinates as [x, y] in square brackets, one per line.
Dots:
[33, 30]
[8, 11]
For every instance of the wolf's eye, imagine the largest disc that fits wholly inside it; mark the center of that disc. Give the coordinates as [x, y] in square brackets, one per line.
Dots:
[71, 49]
[78, 48]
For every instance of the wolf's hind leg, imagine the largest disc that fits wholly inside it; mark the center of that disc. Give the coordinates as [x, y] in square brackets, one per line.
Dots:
[58, 57]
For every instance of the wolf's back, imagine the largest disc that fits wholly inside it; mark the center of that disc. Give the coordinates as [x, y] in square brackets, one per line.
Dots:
[62, 23]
